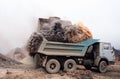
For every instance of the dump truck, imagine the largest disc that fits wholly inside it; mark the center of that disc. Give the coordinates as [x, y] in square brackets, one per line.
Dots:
[55, 56]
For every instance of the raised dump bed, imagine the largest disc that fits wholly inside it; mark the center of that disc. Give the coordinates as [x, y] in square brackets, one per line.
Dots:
[38, 44]
[65, 49]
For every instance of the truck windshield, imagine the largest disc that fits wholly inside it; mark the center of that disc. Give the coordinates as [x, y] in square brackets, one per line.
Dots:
[106, 46]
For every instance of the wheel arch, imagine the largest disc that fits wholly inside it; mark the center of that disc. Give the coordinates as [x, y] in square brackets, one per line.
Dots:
[99, 59]
[104, 59]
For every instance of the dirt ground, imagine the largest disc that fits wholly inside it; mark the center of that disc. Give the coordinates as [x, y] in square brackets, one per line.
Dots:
[28, 72]
[24, 69]
[112, 73]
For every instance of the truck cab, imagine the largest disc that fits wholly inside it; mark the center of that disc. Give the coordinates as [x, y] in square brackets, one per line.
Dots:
[100, 55]
[107, 52]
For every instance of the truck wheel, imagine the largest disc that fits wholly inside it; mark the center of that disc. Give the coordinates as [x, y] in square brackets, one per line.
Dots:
[52, 66]
[70, 65]
[36, 61]
[88, 67]
[102, 66]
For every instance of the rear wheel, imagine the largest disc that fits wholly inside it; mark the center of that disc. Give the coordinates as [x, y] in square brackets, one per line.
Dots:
[36, 61]
[70, 65]
[52, 66]
[102, 66]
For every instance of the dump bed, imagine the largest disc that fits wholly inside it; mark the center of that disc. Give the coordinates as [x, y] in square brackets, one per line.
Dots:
[65, 49]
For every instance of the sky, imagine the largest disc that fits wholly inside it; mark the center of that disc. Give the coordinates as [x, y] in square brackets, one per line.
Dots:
[19, 18]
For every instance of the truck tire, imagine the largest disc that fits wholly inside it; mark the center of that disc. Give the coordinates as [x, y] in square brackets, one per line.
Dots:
[36, 61]
[102, 67]
[70, 65]
[52, 66]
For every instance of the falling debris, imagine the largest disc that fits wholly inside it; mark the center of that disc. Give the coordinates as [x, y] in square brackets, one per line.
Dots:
[78, 34]
[34, 42]
[57, 30]
[56, 33]
[7, 62]
[46, 24]
[53, 29]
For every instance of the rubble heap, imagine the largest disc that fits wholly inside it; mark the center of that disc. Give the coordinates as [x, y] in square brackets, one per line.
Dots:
[57, 30]
[7, 62]
[34, 42]
[78, 33]
[80, 74]
[56, 33]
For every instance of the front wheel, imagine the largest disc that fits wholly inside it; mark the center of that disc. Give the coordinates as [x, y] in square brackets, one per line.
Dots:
[102, 66]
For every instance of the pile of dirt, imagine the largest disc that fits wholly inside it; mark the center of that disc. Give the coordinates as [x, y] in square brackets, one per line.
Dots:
[17, 54]
[56, 33]
[57, 30]
[78, 33]
[30, 73]
[20, 55]
[7, 62]
[80, 74]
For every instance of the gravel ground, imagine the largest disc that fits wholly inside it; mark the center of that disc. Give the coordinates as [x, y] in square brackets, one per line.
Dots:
[28, 72]
[11, 69]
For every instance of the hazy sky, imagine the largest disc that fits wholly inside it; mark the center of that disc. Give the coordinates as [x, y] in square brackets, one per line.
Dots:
[19, 18]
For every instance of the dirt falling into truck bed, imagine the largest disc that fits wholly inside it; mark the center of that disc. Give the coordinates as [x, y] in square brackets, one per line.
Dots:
[78, 33]
[57, 30]
[34, 42]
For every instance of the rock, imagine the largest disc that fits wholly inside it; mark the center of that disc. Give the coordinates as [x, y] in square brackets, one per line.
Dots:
[8, 72]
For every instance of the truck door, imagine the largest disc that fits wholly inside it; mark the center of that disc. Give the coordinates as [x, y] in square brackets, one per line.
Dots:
[107, 51]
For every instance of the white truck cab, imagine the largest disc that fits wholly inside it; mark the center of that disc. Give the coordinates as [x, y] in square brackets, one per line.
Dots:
[106, 51]
[104, 56]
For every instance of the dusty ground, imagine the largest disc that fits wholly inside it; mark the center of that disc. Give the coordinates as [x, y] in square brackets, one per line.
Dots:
[11, 69]
[112, 73]
[28, 72]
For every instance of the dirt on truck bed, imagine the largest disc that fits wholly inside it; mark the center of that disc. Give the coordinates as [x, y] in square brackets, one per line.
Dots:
[17, 70]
